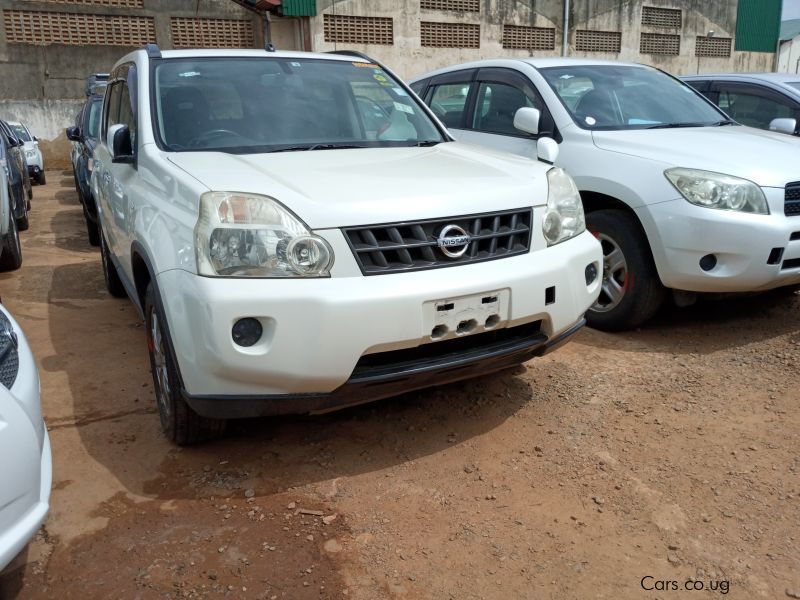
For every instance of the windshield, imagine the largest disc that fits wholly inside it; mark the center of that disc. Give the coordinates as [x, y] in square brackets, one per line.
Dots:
[629, 97]
[93, 124]
[21, 132]
[277, 104]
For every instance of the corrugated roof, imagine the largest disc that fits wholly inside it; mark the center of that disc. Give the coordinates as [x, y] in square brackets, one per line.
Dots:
[790, 29]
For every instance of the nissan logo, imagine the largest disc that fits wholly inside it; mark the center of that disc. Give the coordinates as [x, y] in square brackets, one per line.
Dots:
[453, 241]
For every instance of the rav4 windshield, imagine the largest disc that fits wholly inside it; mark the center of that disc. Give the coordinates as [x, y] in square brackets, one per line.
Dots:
[246, 105]
[629, 97]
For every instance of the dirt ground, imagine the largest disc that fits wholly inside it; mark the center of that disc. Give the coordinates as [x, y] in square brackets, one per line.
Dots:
[668, 454]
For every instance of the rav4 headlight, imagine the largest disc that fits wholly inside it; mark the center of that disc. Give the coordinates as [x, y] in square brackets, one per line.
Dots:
[716, 190]
[246, 235]
[563, 218]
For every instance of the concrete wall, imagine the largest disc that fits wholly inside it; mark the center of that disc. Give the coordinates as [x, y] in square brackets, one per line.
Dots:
[43, 85]
[407, 57]
[789, 56]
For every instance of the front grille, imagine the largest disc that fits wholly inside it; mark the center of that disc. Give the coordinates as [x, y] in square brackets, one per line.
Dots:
[413, 246]
[9, 361]
[791, 199]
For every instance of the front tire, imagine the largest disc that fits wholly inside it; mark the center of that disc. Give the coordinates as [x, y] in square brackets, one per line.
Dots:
[179, 422]
[113, 282]
[631, 291]
[41, 178]
[11, 256]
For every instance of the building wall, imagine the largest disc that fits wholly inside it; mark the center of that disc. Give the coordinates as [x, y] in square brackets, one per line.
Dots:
[789, 56]
[48, 47]
[598, 25]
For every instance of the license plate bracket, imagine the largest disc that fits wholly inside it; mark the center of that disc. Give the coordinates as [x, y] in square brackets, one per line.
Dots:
[449, 318]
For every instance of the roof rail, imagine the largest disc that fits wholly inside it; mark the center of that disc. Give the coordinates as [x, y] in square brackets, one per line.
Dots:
[353, 53]
[153, 51]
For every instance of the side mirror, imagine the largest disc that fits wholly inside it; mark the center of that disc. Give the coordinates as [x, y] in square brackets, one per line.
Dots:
[547, 150]
[119, 143]
[527, 119]
[783, 125]
[35, 139]
[73, 133]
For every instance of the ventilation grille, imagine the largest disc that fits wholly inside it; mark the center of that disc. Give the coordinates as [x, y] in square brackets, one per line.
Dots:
[450, 35]
[123, 3]
[350, 29]
[660, 43]
[666, 18]
[211, 33]
[45, 28]
[413, 246]
[598, 41]
[9, 361]
[457, 5]
[519, 37]
[712, 46]
[791, 206]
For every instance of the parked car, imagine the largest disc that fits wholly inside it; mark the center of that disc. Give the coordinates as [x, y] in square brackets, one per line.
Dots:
[84, 140]
[680, 196]
[26, 469]
[10, 245]
[19, 180]
[764, 100]
[33, 155]
[290, 254]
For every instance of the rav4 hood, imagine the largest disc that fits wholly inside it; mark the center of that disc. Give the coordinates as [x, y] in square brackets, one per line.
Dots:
[337, 188]
[768, 159]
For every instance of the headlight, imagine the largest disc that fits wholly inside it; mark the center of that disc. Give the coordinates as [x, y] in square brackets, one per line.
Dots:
[30, 154]
[564, 217]
[246, 235]
[716, 190]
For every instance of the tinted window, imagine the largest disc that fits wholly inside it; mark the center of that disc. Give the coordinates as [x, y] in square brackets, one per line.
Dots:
[497, 105]
[627, 97]
[753, 108]
[126, 116]
[112, 106]
[94, 111]
[21, 132]
[255, 105]
[448, 101]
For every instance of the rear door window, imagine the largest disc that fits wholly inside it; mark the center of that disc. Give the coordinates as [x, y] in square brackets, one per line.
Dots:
[448, 102]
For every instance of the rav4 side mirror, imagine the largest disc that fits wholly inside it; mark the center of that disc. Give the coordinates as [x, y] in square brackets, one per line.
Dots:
[73, 133]
[119, 143]
[527, 119]
[783, 125]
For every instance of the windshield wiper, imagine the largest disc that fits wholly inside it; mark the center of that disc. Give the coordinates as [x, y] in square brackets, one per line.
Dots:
[724, 122]
[317, 147]
[675, 125]
[427, 143]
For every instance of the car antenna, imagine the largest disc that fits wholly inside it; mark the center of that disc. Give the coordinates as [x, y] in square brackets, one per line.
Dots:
[269, 47]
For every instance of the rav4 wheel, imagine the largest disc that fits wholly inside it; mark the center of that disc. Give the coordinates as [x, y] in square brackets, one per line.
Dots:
[631, 291]
[113, 282]
[11, 255]
[23, 223]
[178, 421]
[41, 178]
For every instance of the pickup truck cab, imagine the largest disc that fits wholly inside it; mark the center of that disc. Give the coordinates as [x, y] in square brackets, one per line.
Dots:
[300, 235]
[681, 197]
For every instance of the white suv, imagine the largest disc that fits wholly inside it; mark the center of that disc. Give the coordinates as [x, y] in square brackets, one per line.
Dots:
[300, 235]
[681, 196]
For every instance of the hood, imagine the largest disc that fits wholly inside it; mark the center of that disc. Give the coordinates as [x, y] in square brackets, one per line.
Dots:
[768, 159]
[338, 188]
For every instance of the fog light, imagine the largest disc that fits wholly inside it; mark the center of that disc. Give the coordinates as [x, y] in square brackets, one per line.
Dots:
[246, 332]
[708, 262]
[590, 273]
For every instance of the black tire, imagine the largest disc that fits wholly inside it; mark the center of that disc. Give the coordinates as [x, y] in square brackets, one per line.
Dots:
[11, 256]
[93, 231]
[632, 293]
[113, 282]
[41, 179]
[23, 223]
[179, 422]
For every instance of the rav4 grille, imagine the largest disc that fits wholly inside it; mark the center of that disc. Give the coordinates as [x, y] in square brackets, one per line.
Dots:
[438, 243]
[791, 199]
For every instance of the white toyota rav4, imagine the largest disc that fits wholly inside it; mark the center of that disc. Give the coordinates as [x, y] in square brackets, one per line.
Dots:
[301, 234]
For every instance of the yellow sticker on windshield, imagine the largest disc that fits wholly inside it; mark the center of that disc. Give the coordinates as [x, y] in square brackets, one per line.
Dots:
[380, 78]
[361, 64]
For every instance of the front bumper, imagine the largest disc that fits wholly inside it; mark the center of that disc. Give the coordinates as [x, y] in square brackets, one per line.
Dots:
[317, 331]
[753, 252]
